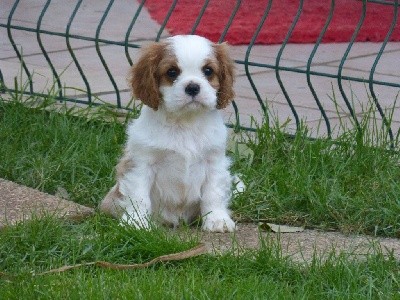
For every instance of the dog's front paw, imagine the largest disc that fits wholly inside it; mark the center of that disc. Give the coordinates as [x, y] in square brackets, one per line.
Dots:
[135, 220]
[218, 222]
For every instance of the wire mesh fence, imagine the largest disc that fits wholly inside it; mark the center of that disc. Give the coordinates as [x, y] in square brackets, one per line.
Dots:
[80, 51]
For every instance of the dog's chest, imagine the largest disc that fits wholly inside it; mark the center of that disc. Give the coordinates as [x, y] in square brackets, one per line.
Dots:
[179, 178]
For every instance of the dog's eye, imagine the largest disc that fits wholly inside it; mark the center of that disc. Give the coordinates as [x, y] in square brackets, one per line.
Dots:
[173, 73]
[208, 71]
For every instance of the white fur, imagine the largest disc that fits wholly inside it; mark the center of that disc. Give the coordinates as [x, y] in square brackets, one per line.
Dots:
[180, 171]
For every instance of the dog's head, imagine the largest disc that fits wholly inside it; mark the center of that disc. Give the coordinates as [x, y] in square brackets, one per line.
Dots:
[184, 73]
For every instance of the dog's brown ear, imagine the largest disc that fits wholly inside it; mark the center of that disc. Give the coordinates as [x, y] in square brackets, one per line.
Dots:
[226, 75]
[144, 79]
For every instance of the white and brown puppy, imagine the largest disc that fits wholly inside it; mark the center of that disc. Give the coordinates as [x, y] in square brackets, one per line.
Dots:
[174, 165]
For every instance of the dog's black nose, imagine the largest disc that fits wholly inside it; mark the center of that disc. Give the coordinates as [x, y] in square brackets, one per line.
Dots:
[192, 89]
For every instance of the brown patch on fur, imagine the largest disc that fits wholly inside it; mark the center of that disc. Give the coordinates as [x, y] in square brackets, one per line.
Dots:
[167, 63]
[226, 74]
[214, 78]
[109, 205]
[124, 165]
[144, 79]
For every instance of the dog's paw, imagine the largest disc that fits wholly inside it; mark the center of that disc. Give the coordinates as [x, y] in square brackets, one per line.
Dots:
[139, 222]
[218, 223]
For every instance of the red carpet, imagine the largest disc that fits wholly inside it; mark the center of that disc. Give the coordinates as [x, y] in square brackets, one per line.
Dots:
[315, 12]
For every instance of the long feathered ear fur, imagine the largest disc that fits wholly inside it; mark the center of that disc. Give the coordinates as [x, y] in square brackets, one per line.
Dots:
[144, 79]
[226, 75]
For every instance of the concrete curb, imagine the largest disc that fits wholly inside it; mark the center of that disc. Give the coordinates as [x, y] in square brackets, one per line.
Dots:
[18, 203]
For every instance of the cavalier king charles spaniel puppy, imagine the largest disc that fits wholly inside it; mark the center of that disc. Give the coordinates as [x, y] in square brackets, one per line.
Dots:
[174, 166]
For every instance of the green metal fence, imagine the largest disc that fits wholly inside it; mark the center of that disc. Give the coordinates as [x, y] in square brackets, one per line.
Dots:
[15, 33]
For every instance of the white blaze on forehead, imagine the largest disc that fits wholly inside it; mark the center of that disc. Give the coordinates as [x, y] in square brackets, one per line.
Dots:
[191, 50]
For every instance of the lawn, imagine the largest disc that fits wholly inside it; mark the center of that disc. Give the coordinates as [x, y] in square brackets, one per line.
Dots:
[350, 184]
[39, 245]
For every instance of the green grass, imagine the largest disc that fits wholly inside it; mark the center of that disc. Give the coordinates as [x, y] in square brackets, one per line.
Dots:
[346, 184]
[48, 151]
[349, 185]
[39, 245]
